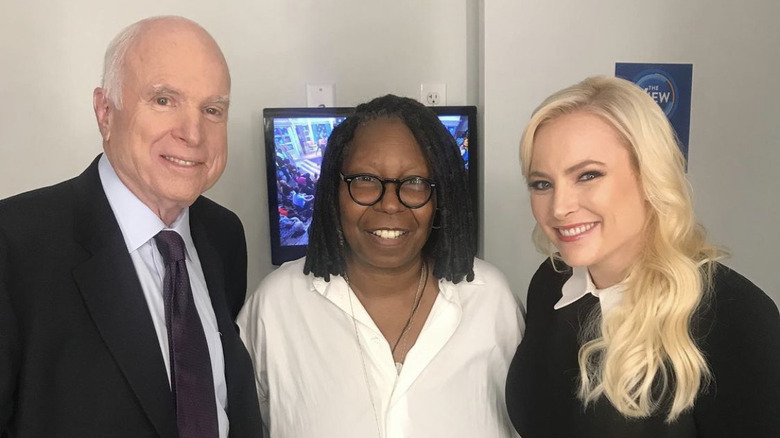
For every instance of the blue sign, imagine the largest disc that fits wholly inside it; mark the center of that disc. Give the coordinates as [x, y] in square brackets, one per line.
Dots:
[670, 86]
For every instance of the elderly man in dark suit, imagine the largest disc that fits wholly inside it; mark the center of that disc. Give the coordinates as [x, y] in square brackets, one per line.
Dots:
[118, 288]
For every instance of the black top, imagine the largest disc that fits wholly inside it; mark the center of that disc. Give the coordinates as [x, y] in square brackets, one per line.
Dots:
[738, 329]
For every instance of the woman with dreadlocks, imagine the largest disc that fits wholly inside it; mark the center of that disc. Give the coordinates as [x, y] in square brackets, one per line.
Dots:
[389, 327]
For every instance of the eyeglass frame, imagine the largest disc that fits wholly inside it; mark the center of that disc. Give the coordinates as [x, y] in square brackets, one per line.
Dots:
[398, 182]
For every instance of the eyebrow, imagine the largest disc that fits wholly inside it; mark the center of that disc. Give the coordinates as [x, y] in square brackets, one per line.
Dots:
[220, 99]
[571, 169]
[164, 89]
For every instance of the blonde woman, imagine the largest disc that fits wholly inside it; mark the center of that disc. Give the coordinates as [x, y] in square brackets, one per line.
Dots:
[633, 328]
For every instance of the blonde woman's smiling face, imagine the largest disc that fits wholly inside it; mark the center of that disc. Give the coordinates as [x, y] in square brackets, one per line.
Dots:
[586, 196]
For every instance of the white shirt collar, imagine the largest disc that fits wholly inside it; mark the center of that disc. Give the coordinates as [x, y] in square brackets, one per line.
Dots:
[337, 291]
[137, 222]
[581, 284]
[446, 288]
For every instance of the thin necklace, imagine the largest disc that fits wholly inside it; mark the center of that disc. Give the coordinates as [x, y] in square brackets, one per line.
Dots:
[408, 325]
[418, 295]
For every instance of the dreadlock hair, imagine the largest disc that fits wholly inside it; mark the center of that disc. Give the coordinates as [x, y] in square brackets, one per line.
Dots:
[451, 246]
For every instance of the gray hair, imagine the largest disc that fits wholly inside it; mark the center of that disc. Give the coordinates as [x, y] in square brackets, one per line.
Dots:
[114, 61]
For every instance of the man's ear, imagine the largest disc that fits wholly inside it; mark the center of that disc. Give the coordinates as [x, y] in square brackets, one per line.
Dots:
[103, 111]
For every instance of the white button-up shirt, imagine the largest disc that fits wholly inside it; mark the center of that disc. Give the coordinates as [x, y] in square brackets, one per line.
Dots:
[139, 225]
[580, 284]
[315, 379]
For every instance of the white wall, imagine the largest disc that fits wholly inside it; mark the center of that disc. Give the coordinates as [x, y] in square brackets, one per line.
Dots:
[52, 59]
[533, 48]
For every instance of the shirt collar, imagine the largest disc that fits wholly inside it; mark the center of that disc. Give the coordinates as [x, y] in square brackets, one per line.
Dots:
[337, 285]
[137, 222]
[581, 284]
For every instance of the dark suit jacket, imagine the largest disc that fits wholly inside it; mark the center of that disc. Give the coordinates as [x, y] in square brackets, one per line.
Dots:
[79, 356]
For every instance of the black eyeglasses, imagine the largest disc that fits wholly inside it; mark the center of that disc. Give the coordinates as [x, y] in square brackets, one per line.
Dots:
[366, 189]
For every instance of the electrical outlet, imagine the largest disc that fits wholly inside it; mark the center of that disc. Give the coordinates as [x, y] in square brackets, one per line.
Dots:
[432, 98]
[433, 94]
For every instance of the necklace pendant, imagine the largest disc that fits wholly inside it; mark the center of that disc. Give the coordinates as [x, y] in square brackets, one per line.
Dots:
[398, 366]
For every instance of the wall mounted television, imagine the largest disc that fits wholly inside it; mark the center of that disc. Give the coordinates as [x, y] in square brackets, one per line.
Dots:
[295, 141]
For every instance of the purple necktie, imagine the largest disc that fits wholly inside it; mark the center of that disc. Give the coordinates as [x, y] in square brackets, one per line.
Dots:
[192, 381]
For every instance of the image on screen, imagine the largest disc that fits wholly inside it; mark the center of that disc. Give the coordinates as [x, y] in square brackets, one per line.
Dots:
[300, 145]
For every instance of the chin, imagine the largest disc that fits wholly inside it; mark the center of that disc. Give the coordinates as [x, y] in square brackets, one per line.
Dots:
[577, 260]
[184, 192]
[388, 261]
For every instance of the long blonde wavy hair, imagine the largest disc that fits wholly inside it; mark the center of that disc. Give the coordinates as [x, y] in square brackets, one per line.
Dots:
[642, 355]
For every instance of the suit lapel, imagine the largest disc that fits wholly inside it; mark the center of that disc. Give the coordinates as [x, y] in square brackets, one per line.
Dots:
[212, 267]
[113, 296]
[243, 410]
[213, 271]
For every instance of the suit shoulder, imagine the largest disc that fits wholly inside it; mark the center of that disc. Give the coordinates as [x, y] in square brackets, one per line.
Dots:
[210, 210]
[223, 225]
[36, 205]
[36, 196]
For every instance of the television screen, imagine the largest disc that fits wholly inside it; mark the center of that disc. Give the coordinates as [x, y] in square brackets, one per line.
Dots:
[295, 141]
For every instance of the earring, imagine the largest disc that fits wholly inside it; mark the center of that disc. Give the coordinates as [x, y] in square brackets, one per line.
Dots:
[434, 225]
